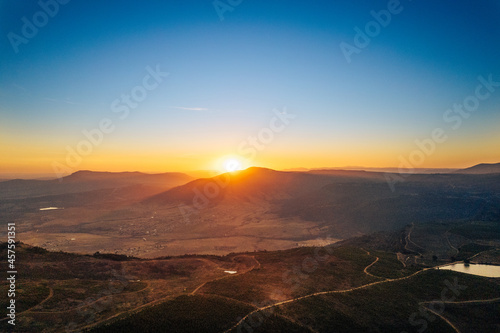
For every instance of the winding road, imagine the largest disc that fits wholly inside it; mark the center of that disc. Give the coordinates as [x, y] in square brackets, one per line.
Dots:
[329, 292]
[477, 301]
[257, 265]
[370, 265]
[51, 293]
[158, 301]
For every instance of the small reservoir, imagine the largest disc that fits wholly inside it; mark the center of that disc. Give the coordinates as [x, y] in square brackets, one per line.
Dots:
[475, 269]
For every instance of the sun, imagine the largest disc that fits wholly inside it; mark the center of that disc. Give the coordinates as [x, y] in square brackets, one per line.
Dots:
[232, 164]
[229, 163]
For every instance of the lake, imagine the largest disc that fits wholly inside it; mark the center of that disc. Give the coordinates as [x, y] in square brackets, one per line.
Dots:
[475, 269]
[50, 208]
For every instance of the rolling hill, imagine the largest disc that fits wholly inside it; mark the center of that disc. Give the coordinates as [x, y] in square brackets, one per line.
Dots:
[250, 210]
[483, 168]
[82, 181]
[256, 207]
[366, 284]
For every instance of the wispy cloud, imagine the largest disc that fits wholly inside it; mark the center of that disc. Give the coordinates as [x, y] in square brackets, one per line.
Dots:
[189, 109]
[19, 87]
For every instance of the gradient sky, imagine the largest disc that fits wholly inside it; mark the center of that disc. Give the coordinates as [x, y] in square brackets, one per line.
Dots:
[227, 76]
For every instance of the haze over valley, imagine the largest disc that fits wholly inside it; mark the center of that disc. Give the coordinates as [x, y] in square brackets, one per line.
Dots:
[255, 209]
[229, 166]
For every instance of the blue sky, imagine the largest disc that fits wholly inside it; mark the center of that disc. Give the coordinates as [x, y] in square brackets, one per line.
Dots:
[226, 77]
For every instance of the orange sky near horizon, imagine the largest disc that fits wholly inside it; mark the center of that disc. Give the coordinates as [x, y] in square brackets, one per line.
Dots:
[170, 87]
[36, 159]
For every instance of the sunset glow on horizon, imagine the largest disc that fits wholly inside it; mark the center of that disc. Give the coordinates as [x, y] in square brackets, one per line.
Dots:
[180, 86]
[218, 160]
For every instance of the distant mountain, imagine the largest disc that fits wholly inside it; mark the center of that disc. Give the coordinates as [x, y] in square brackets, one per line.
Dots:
[167, 179]
[480, 169]
[202, 173]
[253, 209]
[342, 203]
[252, 185]
[296, 169]
[82, 181]
[391, 170]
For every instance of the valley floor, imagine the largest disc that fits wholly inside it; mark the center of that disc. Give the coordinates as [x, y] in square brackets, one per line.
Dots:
[310, 289]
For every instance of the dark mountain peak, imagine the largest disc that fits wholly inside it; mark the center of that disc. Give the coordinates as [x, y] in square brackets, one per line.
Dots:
[254, 183]
[86, 180]
[84, 175]
[254, 171]
[483, 168]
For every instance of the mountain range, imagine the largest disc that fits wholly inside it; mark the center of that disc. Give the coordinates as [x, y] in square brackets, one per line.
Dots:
[253, 209]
